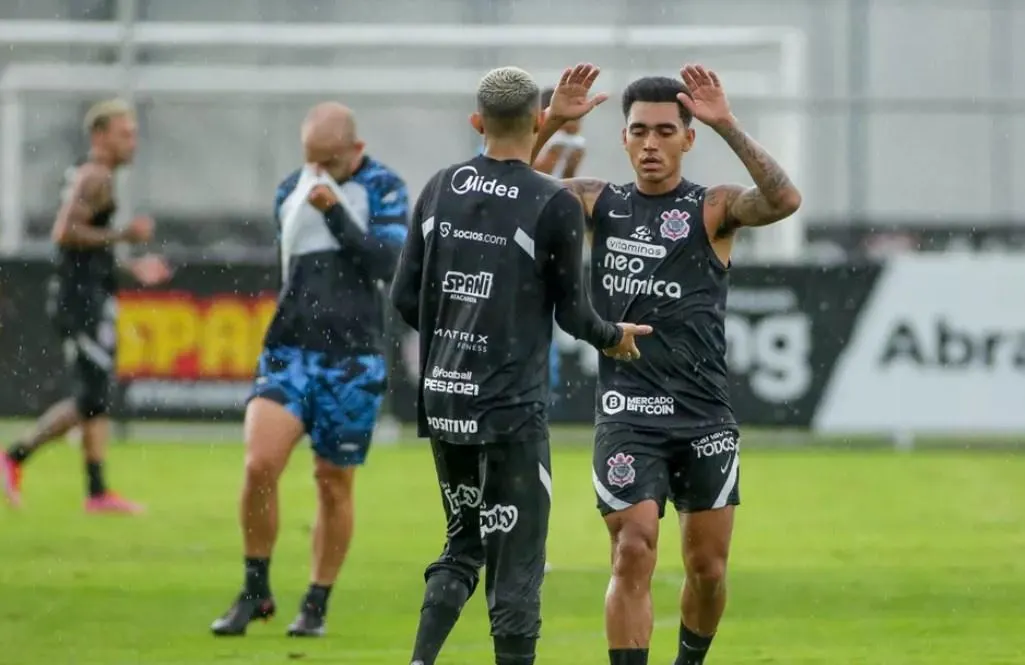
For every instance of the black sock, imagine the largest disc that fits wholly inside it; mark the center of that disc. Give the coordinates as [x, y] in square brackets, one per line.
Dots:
[19, 452]
[257, 577]
[628, 657]
[693, 647]
[444, 598]
[94, 478]
[316, 599]
[515, 650]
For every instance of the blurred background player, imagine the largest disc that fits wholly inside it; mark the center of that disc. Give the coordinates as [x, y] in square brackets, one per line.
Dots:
[562, 154]
[343, 219]
[83, 302]
[665, 425]
[560, 157]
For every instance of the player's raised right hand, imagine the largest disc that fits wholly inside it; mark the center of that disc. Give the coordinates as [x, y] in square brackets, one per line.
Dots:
[322, 197]
[570, 100]
[627, 348]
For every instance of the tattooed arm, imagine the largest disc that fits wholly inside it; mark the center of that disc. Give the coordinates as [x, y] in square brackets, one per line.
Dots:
[88, 194]
[729, 207]
[772, 198]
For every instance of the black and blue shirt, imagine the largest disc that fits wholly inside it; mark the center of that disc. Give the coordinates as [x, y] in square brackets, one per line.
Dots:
[333, 264]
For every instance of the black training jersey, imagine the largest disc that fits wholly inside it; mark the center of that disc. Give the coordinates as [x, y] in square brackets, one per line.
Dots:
[85, 278]
[332, 264]
[494, 248]
[652, 263]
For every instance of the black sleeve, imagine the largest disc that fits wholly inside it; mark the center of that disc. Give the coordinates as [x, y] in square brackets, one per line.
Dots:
[561, 230]
[379, 254]
[405, 288]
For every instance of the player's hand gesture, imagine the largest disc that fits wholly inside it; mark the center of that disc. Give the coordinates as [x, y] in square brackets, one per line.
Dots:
[322, 197]
[139, 230]
[707, 100]
[627, 347]
[570, 100]
[150, 270]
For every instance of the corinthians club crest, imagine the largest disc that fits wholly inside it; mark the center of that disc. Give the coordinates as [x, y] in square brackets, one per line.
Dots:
[621, 470]
[674, 225]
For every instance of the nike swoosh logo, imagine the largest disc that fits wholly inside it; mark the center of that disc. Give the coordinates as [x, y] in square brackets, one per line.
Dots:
[616, 215]
[727, 465]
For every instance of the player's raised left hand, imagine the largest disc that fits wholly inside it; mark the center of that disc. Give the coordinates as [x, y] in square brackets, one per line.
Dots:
[571, 99]
[707, 100]
[627, 347]
[322, 197]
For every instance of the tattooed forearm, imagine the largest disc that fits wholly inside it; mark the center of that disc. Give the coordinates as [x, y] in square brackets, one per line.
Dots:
[769, 176]
[90, 193]
[774, 196]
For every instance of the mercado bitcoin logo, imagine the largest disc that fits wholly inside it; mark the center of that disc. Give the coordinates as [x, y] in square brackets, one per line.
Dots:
[177, 335]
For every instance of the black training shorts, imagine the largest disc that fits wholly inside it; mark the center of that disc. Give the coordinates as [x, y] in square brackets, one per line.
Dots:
[87, 326]
[633, 465]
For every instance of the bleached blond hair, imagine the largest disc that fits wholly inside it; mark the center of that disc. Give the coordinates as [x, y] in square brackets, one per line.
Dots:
[509, 99]
[99, 115]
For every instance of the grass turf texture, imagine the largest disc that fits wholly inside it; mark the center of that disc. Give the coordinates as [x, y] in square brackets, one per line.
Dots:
[840, 557]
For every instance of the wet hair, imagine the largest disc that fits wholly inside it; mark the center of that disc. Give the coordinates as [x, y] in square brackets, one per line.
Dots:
[658, 90]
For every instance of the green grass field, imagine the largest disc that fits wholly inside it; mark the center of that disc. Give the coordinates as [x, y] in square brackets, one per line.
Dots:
[840, 557]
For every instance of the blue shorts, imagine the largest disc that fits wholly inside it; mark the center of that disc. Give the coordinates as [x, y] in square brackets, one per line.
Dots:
[337, 401]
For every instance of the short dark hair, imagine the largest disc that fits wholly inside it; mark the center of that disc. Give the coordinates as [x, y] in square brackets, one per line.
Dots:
[658, 90]
[509, 100]
[546, 97]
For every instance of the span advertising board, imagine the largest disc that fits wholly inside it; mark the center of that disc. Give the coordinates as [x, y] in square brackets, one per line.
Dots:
[184, 353]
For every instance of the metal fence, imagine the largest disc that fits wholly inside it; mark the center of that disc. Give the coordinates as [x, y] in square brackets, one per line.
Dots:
[911, 110]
